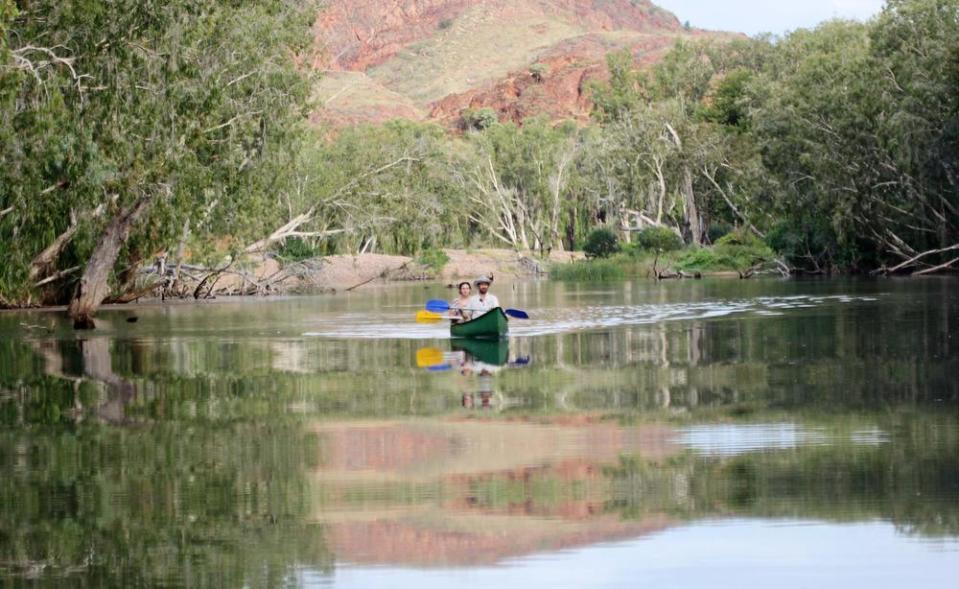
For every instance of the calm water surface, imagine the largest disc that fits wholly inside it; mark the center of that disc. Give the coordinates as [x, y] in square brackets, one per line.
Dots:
[754, 433]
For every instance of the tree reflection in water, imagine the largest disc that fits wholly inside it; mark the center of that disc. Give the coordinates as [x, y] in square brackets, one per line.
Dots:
[228, 460]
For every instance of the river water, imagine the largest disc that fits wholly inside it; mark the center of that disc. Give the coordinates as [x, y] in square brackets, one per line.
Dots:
[720, 433]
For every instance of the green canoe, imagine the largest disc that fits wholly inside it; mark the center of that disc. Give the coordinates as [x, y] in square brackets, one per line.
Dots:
[492, 325]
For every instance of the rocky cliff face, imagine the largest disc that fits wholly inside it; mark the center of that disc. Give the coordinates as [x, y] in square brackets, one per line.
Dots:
[430, 59]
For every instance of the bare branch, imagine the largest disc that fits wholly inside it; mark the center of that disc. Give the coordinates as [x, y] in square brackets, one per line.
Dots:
[290, 228]
[938, 268]
[233, 120]
[912, 261]
[712, 180]
[57, 276]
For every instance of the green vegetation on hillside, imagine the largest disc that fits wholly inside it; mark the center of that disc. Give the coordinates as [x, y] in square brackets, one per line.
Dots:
[130, 133]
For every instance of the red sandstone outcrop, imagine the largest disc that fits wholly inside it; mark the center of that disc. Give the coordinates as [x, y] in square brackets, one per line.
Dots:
[396, 41]
[359, 34]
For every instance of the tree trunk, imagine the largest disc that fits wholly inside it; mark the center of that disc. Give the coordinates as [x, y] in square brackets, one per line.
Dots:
[571, 231]
[94, 285]
[624, 223]
[694, 222]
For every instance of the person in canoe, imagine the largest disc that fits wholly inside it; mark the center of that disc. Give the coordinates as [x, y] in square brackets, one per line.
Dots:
[460, 310]
[483, 302]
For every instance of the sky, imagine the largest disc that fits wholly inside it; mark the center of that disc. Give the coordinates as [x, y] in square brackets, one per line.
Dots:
[767, 16]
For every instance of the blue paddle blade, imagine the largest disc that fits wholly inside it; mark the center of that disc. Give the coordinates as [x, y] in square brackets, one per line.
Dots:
[440, 368]
[437, 306]
[517, 314]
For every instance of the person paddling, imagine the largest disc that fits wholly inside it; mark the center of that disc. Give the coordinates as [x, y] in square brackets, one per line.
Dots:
[460, 310]
[483, 302]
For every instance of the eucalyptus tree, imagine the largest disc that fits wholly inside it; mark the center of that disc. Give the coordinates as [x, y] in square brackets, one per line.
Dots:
[136, 122]
[517, 180]
[666, 156]
[858, 122]
[371, 187]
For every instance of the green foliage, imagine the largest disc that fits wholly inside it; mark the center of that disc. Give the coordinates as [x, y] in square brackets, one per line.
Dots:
[434, 258]
[740, 238]
[840, 143]
[718, 230]
[601, 243]
[518, 181]
[734, 252]
[192, 106]
[539, 71]
[658, 239]
[729, 103]
[479, 118]
[296, 249]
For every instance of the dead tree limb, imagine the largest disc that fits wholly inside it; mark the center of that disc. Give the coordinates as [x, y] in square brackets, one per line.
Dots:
[57, 276]
[938, 268]
[215, 275]
[712, 180]
[290, 229]
[912, 261]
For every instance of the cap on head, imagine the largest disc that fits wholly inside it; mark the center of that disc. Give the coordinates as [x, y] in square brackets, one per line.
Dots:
[482, 280]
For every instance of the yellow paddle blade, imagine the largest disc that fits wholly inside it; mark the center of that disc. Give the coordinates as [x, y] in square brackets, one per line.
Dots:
[427, 317]
[426, 357]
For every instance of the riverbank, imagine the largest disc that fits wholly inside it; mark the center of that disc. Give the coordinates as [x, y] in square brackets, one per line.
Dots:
[270, 275]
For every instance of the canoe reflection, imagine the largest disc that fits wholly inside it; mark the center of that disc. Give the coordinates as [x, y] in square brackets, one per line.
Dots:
[481, 359]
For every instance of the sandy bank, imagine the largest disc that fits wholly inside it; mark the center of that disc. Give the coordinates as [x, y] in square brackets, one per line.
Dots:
[354, 271]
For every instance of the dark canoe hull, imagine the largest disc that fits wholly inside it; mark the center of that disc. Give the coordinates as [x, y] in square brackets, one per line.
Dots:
[493, 325]
[490, 351]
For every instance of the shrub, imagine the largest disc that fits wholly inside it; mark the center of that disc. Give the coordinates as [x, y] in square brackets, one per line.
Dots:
[295, 249]
[718, 230]
[737, 251]
[658, 239]
[445, 24]
[740, 237]
[479, 118]
[699, 259]
[538, 71]
[433, 258]
[601, 243]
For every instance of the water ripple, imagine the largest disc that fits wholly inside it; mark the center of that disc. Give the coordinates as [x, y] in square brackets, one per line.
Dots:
[548, 321]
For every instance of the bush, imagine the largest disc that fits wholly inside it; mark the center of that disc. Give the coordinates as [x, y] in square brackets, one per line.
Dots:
[658, 239]
[538, 71]
[433, 258]
[737, 251]
[295, 249]
[601, 243]
[479, 118]
[740, 237]
[718, 230]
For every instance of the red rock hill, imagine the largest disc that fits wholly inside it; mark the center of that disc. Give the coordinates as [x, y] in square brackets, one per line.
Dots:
[430, 59]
